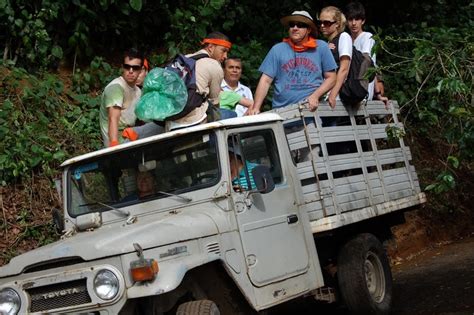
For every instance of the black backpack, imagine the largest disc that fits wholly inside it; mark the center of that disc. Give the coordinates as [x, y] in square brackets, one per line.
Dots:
[356, 87]
[185, 68]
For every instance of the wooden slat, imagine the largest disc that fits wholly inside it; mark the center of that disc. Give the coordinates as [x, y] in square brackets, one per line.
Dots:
[354, 204]
[316, 207]
[324, 110]
[305, 169]
[398, 194]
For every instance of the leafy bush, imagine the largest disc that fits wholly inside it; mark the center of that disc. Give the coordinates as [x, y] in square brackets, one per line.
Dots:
[42, 123]
[429, 70]
[95, 78]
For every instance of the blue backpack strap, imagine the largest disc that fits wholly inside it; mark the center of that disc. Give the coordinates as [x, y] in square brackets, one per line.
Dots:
[195, 99]
[199, 56]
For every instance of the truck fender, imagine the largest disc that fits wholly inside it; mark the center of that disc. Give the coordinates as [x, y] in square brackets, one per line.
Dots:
[170, 276]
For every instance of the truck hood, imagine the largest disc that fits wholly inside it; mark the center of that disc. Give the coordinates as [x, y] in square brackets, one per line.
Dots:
[117, 239]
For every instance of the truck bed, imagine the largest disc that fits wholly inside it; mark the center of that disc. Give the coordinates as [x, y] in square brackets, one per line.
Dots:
[350, 169]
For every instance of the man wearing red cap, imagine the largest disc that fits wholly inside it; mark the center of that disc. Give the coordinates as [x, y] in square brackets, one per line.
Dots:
[300, 67]
[209, 75]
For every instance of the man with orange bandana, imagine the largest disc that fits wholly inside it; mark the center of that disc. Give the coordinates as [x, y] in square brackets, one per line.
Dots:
[209, 75]
[301, 67]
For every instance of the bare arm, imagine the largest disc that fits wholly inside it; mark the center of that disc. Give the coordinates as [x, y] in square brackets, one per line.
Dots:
[328, 83]
[344, 63]
[114, 118]
[247, 102]
[262, 89]
[216, 78]
[379, 92]
[379, 86]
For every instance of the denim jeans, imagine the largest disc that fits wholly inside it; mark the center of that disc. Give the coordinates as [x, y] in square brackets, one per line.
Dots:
[227, 113]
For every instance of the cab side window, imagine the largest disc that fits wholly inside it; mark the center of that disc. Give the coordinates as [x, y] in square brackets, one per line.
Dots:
[259, 147]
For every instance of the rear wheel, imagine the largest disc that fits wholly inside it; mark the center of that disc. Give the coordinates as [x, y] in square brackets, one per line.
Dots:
[364, 276]
[201, 307]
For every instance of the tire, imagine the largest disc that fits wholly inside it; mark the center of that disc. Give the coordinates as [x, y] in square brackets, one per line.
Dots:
[364, 276]
[201, 307]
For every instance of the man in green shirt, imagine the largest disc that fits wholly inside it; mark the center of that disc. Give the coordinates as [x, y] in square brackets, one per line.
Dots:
[117, 109]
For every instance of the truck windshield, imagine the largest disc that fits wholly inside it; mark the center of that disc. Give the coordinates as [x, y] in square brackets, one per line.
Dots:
[156, 170]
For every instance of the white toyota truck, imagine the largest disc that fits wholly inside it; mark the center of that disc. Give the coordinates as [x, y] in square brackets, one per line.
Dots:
[306, 215]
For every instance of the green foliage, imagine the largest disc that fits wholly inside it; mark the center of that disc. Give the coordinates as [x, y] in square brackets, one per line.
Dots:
[40, 33]
[97, 76]
[41, 124]
[28, 35]
[394, 132]
[429, 70]
[444, 182]
[191, 23]
[136, 5]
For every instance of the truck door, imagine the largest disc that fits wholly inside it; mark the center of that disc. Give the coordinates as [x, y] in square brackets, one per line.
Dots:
[272, 234]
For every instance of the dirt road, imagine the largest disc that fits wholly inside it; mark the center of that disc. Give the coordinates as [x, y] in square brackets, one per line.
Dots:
[437, 281]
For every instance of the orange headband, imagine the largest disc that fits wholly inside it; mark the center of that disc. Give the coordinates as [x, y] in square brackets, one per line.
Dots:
[215, 41]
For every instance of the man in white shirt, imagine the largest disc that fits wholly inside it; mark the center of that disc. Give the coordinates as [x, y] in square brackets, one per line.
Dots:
[363, 41]
[231, 82]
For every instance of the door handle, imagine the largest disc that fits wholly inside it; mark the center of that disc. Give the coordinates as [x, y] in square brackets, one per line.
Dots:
[292, 218]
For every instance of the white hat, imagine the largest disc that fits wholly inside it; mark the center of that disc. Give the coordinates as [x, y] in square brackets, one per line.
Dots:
[300, 16]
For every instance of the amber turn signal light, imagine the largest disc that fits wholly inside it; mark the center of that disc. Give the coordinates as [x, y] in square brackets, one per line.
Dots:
[144, 269]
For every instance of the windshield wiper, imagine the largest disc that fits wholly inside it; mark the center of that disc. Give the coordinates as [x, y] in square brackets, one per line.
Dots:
[186, 199]
[124, 213]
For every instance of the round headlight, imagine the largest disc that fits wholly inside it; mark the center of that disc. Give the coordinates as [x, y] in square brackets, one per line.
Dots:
[9, 302]
[106, 284]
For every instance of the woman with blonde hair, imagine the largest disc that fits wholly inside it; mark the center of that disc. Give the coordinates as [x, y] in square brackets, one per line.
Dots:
[332, 23]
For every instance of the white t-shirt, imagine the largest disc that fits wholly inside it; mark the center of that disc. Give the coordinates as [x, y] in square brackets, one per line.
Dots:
[242, 90]
[118, 93]
[344, 46]
[364, 43]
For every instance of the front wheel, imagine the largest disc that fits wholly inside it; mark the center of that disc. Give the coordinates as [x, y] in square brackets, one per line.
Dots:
[201, 307]
[364, 276]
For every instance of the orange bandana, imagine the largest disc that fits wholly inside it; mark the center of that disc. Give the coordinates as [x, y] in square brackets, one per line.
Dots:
[215, 41]
[309, 44]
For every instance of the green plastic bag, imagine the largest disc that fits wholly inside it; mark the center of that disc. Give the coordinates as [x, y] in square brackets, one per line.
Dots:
[229, 99]
[164, 95]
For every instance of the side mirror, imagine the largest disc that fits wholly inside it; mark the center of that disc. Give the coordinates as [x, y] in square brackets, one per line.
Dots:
[59, 190]
[58, 221]
[263, 179]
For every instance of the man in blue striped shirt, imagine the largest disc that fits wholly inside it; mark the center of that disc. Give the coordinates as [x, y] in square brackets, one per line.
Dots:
[237, 170]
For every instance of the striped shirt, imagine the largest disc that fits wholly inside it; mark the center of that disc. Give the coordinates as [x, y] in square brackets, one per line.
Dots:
[241, 180]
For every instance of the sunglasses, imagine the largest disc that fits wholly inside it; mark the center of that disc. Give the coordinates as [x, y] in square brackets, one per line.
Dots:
[297, 24]
[326, 23]
[127, 67]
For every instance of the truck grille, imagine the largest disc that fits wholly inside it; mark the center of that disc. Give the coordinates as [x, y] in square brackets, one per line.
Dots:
[59, 295]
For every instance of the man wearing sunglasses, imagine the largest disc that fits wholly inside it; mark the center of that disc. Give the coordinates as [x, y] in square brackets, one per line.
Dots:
[301, 67]
[117, 109]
